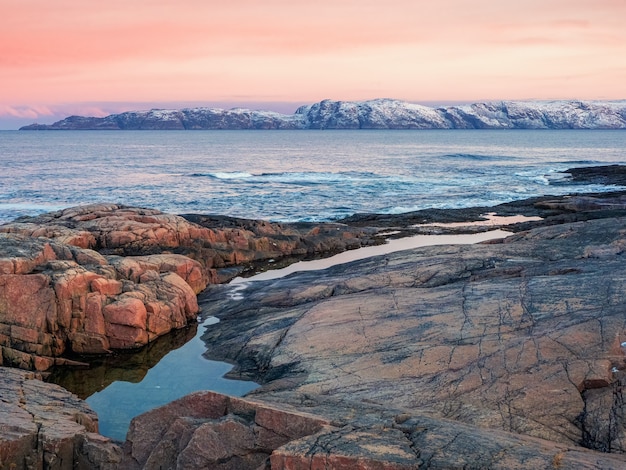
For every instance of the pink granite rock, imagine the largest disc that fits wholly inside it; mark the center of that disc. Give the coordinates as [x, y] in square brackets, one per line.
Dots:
[44, 426]
[56, 299]
[214, 242]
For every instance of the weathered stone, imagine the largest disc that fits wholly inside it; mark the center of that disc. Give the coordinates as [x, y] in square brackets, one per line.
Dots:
[210, 430]
[189, 270]
[106, 286]
[212, 241]
[126, 311]
[522, 336]
[44, 426]
[57, 298]
[518, 342]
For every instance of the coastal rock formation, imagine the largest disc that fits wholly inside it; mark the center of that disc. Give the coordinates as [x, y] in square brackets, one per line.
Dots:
[525, 336]
[509, 354]
[45, 426]
[372, 114]
[57, 299]
[211, 430]
[216, 242]
[91, 279]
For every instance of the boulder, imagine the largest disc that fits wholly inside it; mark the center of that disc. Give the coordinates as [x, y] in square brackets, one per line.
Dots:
[211, 430]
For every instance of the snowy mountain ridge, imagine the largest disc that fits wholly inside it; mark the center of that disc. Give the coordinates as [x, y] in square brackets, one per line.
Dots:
[372, 114]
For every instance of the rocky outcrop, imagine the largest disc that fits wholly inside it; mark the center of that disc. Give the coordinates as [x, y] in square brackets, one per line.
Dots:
[525, 336]
[210, 430]
[372, 114]
[216, 242]
[545, 210]
[44, 426]
[503, 355]
[57, 299]
[92, 279]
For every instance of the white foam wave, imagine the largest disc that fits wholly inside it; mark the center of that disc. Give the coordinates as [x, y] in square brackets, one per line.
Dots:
[231, 175]
[305, 177]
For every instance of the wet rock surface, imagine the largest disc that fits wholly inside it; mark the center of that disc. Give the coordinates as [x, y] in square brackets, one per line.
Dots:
[552, 210]
[123, 366]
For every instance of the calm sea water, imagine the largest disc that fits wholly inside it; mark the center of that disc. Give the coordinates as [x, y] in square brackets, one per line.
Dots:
[291, 175]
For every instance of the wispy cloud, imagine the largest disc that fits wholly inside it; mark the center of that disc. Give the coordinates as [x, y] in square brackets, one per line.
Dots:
[29, 112]
[160, 50]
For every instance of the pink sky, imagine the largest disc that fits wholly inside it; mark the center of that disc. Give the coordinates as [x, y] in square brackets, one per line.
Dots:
[74, 56]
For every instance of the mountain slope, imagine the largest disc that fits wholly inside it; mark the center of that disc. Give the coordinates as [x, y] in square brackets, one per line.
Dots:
[372, 114]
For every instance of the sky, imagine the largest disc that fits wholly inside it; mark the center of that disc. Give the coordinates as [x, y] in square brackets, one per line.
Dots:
[68, 57]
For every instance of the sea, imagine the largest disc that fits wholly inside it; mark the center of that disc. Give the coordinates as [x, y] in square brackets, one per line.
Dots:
[288, 176]
[279, 176]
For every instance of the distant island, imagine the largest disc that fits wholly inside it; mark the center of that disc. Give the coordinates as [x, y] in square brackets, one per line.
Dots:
[372, 114]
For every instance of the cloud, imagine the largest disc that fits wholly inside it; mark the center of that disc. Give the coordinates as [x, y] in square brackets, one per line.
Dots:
[29, 112]
[146, 50]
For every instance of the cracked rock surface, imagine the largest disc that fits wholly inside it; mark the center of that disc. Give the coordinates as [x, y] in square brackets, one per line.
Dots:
[45, 426]
[92, 279]
[521, 338]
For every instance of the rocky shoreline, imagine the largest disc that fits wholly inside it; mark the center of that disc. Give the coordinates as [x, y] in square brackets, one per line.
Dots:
[497, 355]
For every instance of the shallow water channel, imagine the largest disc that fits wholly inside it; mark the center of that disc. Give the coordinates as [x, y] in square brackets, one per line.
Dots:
[124, 385]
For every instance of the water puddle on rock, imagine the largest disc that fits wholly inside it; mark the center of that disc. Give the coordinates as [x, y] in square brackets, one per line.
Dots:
[391, 246]
[124, 385]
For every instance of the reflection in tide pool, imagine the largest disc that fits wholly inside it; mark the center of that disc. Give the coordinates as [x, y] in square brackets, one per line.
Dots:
[134, 391]
[391, 246]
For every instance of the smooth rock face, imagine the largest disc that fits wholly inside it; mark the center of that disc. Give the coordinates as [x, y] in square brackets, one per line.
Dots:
[44, 426]
[523, 336]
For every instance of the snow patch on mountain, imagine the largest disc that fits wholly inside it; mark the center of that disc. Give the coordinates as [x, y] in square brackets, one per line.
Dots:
[371, 114]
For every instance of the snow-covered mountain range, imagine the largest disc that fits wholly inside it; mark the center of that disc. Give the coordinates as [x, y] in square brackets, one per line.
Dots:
[372, 114]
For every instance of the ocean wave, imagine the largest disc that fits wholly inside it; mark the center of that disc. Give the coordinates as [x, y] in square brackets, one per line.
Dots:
[306, 178]
[475, 157]
[226, 175]
[576, 162]
[301, 177]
